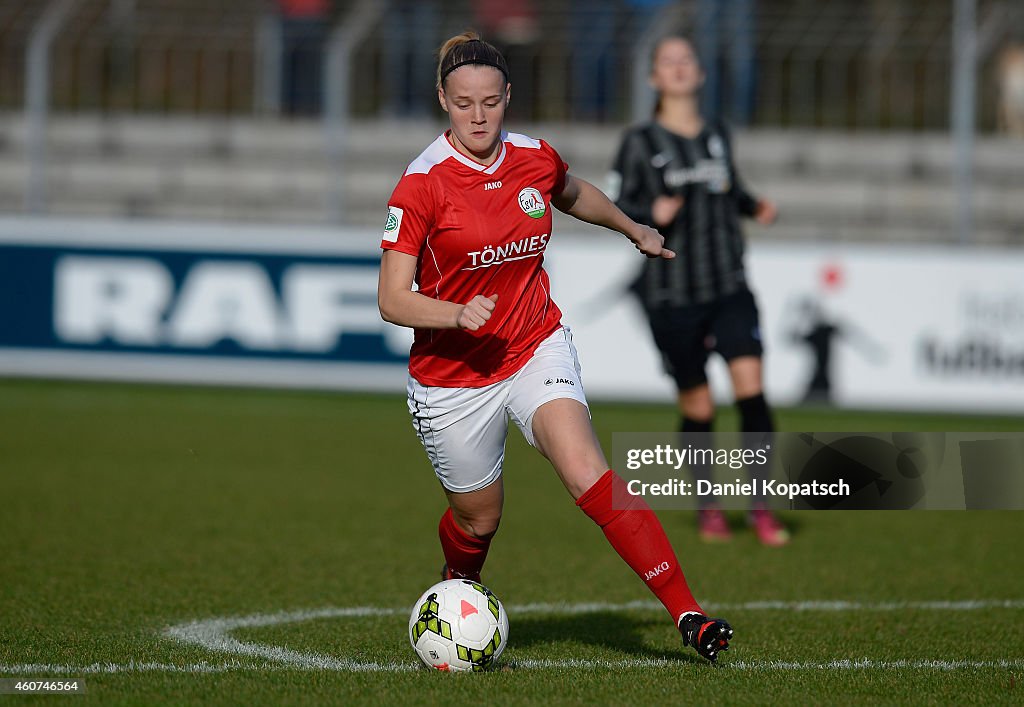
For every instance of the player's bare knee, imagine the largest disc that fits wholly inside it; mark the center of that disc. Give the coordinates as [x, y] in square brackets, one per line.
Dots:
[579, 479]
[482, 527]
[696, 404]
[580, 482]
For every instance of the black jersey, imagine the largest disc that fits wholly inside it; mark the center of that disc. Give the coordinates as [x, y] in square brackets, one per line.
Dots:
[706, 233]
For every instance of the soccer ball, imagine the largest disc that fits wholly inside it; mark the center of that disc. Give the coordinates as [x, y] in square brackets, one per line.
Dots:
[458, 625]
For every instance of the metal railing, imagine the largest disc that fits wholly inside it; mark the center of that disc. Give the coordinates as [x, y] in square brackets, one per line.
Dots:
[839, 64]
[843, 64]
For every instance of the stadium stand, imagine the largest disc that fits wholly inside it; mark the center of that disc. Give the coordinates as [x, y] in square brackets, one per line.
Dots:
[160, 110]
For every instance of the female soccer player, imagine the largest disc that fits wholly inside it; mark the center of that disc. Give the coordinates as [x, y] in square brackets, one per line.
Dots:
[676, 173]
[469, 223]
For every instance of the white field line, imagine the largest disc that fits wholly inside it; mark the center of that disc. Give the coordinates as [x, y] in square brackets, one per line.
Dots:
[36, 670]
[26, 670]
[214, 634]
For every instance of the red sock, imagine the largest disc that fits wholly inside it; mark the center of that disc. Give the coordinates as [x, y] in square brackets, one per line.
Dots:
[637, 535]
[464, 554]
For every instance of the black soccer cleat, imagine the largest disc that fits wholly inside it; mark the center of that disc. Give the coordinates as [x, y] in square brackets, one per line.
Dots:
[707, 636]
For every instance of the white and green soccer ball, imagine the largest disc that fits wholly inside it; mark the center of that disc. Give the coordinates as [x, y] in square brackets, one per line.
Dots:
[458, 625]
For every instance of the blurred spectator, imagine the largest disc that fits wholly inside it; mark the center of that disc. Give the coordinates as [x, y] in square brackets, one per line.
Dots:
[512, 27]
[413, 33]
[1011, 90]
[304, 26]
[729, 23]
[643, 14]
[508, 21]
[593, 27]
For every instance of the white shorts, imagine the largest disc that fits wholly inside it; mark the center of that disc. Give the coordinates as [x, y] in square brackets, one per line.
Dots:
[464, 429]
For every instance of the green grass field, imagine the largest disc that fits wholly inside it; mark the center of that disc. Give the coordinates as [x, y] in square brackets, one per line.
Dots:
[125, 510]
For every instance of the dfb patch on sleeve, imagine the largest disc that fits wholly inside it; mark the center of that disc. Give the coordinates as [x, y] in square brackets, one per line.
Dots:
[394, 224]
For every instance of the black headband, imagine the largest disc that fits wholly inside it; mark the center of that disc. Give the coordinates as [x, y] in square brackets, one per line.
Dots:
[483, 62]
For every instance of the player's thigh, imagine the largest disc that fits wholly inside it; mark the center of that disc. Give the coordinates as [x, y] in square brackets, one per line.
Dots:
[563, 433]
[463, 431]
[548, 404]
[682, 335]
[746, 374]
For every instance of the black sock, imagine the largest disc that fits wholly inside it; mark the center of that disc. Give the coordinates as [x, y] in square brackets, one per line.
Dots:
[687, 424]
[692, 433]
[756, 423]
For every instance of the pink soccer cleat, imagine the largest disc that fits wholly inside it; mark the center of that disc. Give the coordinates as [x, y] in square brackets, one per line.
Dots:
[713, 526]
[769, 529]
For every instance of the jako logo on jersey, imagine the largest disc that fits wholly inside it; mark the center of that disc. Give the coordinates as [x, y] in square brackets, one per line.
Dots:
[555, 381]
[517, 250]
[651, 574]
[532, 203]
[394, 223]
[492, 185]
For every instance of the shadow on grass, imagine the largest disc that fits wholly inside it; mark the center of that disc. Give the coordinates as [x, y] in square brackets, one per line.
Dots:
[615, 631]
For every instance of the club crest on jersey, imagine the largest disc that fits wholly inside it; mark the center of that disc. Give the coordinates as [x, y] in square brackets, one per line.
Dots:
[394, 223]
[532, 203]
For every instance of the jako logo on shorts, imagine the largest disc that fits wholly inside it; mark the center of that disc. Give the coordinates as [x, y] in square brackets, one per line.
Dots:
[532, 203]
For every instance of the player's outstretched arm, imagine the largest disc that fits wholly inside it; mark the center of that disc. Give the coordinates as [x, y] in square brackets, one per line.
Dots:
[584, 201]
[399, 305]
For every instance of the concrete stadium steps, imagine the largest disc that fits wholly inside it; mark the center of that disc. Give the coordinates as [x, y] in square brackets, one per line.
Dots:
[143, 186]
[795, 152]
[867, 155]
[828, 186]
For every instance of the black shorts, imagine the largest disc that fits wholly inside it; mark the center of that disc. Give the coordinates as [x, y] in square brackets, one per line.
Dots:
[687, 335]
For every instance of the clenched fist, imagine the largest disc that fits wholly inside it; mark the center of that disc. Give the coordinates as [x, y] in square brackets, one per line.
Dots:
[476, 312]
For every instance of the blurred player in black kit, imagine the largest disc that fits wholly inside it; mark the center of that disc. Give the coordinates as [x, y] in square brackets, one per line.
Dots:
[676, 173]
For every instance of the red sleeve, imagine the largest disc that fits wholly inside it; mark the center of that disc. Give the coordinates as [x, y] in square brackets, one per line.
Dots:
[561, 167]
[410, 215]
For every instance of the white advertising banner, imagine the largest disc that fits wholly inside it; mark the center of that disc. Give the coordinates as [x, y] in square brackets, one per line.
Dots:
[859, 326]
[876, 326]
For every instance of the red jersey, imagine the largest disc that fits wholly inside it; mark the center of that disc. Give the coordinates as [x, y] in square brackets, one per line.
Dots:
[479, 230]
